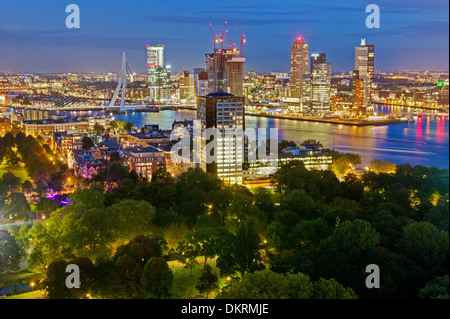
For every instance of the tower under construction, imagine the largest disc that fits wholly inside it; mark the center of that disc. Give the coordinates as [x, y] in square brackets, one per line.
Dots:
[225, 67]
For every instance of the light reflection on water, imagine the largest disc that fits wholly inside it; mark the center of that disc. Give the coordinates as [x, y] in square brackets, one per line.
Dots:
[423, 142]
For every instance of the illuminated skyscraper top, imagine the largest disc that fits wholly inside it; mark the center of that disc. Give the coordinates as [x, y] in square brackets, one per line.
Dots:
[364, 67]
[158, 73]
[299, 66]
[320, 83]
[155, 55]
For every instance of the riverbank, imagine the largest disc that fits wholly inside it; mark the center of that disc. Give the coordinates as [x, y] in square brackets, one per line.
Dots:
[332, 121]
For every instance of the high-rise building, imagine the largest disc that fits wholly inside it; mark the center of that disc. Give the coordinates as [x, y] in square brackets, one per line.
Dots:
[222, 111]
[320, 83]
[299, 66]
[306, 93]
[159, 83]
[201, 82]
[155, 55]
[225, 69]
[358, 89]
[158, 74]
[187, 86]
[364, 65]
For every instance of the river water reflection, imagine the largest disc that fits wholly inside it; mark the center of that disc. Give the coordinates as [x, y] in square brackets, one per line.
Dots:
[423, 142]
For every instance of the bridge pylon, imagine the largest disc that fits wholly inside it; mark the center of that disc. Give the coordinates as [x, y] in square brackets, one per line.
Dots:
[121, 85]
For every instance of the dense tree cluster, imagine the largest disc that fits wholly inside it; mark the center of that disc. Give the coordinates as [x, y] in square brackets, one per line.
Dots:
[311, 236]
[40, 163]
[45, 172]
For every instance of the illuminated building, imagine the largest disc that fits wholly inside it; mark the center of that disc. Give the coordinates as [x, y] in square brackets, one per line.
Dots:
[158, 74]
[5, 126]
[314, 158]
[342, 102]
[222, 111]
[48, 127]
[364, 65]
[225, 68]
[443, 96]
[35, 114]
[155, 55]
[65, 142]
[187, 86]
[358, 90]
[145, 160]
[299, 66]
[306, 94]
[320, 83]
[201, 82]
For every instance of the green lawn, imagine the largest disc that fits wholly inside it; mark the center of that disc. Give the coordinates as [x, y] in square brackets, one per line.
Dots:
[8, 280]
[19, 172]
[184, 285]
[28, 295]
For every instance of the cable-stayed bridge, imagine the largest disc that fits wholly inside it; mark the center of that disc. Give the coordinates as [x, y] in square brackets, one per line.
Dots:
[95, 95]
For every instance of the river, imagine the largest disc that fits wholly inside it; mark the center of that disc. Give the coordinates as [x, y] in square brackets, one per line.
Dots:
[423, 142]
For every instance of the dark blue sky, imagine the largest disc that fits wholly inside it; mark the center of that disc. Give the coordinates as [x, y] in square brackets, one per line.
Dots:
[414, 34]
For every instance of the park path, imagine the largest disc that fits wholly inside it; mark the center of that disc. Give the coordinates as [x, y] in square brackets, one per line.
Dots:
[200, 263]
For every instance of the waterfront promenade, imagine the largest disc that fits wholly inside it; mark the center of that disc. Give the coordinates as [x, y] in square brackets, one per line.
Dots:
[332, 121]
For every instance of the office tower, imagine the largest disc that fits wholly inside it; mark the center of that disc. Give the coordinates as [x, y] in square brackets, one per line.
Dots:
[158, 75]
[155, 55]
[320, 83]
[299, 66]
[358, 89]
[306, 93]
[364, 65]
[159, 83]
[222, 111]
[225, 70]
[187, 86]
[201, 82]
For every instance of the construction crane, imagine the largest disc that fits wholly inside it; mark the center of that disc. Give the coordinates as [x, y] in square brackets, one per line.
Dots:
[242, 36]
[222, 34]
[228, 43]
[215, 37]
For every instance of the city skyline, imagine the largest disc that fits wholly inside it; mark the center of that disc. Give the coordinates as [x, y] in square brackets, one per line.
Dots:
[32, 44]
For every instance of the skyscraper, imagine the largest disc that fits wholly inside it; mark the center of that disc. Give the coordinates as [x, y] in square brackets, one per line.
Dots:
[225, 71]
[364, 65]
[201, 82]
[320, 83]
[187, 86]
[155, 55]
[222, 111]
[306, 94]
[158, 73]
[358, 89]
[299, 66]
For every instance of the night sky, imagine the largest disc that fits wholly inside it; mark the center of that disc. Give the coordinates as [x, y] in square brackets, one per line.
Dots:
[414, 34]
